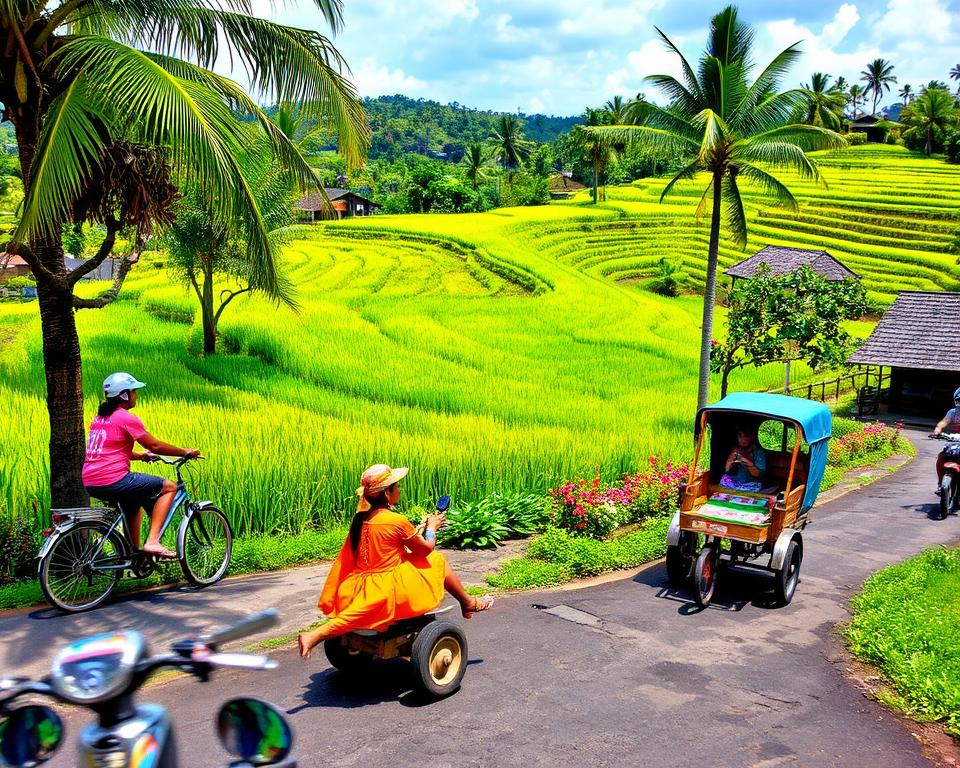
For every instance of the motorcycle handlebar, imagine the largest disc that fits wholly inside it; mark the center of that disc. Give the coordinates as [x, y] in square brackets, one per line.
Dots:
[243, 628]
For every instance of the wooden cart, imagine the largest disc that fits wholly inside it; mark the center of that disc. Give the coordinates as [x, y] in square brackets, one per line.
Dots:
[762, 529]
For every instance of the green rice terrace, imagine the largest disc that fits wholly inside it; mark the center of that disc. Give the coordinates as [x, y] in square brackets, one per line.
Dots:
[511, 350]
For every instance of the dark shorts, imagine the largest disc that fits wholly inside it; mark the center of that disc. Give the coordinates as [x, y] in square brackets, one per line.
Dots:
[132, 491]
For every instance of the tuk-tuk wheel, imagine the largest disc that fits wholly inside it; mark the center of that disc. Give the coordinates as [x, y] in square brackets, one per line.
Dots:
[680, 558]
[343, 658]
[705, 574]
[786, 579]
[439, 657]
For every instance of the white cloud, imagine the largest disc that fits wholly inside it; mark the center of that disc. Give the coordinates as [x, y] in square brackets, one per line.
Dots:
[915, 23]
[372, 80]
[652, 58]
[845, 20]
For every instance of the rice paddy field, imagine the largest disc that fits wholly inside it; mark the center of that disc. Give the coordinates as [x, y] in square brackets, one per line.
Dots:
[503, 351]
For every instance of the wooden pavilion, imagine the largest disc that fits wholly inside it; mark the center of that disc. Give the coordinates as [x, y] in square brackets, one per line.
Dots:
[917, 340]
[344, 202]
[783, 260]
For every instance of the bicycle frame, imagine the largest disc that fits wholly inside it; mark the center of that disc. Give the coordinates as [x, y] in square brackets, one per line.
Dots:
[181, 497]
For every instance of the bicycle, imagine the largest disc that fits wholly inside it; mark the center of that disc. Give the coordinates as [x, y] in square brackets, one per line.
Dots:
[89, 549]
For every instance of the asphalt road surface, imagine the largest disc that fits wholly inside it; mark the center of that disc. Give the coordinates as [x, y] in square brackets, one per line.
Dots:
[627, 673]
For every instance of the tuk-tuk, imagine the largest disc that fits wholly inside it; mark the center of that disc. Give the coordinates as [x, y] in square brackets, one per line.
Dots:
[758, 528]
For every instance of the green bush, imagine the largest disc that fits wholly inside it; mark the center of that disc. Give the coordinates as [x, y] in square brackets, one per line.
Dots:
[474, 525]
[856, 139]
[524, 573]
[19, 282]
[18, 549]
[906, 622]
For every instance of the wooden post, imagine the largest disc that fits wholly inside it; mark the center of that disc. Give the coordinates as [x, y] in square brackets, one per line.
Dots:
[793, 462]
[838, 389]
[696, 454]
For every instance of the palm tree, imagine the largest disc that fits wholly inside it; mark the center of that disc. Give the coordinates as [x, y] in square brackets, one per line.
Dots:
[878, 77]
[618, 111]
[509, 142]
[476, 160]
[955, 75]
[599, 150]
[113, 101]
[824, 106]
[840, 85]
[857, 96]
[930, 115]
[731, 129]
[906, 93]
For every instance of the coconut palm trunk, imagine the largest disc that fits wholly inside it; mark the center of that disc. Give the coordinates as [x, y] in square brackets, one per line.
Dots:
[710, 293]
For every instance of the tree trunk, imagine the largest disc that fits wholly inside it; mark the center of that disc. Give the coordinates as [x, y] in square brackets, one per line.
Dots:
[596, 190]
[710, 295]
[928, 149]
[61, 362]
[207, 313]
[723, 379]
[786, 380]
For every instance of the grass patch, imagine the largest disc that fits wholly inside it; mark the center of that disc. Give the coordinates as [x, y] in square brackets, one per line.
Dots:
[906, 622]
[558, 556]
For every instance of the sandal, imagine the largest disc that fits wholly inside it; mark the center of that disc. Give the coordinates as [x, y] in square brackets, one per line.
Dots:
[161, 552]
[484, 603]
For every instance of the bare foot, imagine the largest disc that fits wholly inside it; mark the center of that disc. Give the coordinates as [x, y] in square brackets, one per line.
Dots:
[158, 550]
[302, 647]
[484, 603]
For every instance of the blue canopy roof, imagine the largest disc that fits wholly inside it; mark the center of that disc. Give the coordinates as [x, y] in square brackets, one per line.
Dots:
[814, 418]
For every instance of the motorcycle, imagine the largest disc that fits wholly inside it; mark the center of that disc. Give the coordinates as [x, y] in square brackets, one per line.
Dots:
[103, 673]
[950, 484]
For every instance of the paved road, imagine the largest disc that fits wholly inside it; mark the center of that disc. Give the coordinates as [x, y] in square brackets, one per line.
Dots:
[621, 674]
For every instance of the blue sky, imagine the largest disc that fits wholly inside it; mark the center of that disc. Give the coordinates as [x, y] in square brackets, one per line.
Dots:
[558, 56]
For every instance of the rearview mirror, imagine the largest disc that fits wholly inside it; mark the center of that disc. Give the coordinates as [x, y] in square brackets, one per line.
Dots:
[254, 731]
[30, 735]
[443, 504]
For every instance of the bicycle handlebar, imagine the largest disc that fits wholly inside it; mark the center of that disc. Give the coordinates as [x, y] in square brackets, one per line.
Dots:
[248, 626]
[950, 437]
[174, 461]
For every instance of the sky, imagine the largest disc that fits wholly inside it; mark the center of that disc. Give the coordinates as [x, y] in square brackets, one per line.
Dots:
[560, 56]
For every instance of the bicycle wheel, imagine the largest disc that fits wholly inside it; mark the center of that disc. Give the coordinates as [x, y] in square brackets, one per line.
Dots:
[204, 544]
[72, 578]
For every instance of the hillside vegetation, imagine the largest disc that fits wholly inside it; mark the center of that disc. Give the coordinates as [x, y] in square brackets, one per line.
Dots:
[503, 351]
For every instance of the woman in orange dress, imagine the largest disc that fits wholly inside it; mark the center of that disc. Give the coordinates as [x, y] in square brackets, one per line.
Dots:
[385, 571]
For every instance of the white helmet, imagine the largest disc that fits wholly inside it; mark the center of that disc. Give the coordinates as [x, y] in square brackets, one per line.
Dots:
[119, 384]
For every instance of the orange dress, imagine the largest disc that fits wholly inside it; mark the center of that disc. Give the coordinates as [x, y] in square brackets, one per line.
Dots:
[383, 582]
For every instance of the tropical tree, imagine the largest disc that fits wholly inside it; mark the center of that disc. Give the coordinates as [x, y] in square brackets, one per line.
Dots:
[618, 110]
[509, 142]
[115, 101]
[906, 93]
[732, 129]
[476, 161]
[599, 150]
[840, 85]
[878, 76]
[857, 97]
[824, 104]
[210, 252]
[955, 75]
[929, 116]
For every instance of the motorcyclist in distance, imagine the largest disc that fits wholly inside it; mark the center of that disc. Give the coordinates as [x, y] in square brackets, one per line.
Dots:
[949, 424]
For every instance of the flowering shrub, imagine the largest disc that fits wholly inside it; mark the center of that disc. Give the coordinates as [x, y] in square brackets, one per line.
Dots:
[864, 441]
[586, 508]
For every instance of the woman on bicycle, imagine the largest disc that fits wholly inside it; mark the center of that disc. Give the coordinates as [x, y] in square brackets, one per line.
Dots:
[385, 571]
[106, 468]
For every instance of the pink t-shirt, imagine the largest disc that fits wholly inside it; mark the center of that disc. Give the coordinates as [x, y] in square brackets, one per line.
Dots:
[110, 447]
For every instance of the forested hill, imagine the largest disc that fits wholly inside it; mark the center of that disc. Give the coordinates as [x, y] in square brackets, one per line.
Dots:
[401, 125]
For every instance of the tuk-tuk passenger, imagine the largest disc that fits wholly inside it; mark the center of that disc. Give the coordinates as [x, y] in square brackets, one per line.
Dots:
[746, 463]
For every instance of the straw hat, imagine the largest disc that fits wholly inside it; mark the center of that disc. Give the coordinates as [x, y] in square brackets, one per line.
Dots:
[375, 479]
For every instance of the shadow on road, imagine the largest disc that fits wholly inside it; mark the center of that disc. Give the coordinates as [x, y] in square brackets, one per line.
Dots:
[736, 589]
[384, 681]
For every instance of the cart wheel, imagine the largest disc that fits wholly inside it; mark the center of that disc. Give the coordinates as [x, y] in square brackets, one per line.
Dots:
[439, 657]
[343, 658]
[705, 575]
[946, 492]
[786, 579]
[680, 558]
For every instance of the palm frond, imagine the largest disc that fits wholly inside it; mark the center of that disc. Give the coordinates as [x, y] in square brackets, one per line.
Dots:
[71, 146]
[686, 174]
[657, 138]
[207, 141]
[679, 97]
[743, 119]
[771, 185]
[809, 138]
[778, 155]
[689, 76]
[714, 131]
[736, 216]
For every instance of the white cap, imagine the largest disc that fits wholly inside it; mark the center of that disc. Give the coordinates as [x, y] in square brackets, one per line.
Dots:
[118, 384]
